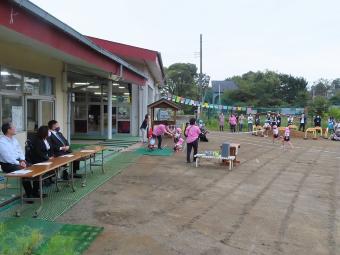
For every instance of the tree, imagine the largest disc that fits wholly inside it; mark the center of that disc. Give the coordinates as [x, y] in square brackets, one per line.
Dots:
[319, 106]
[335, 100]
[180, 79]
[208, 97]
[321, 87]
[336, 84]
[267, 89]
[202, 83]
[293, 90]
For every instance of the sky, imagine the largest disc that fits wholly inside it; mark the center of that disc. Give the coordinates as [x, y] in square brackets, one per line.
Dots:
[298, 37]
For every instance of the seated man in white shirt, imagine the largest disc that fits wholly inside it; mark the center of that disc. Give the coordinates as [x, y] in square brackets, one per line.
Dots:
[12, 158]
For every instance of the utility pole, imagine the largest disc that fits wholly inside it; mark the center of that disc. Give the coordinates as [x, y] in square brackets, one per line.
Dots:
[199, 90]
[201, 55]
[219, 94]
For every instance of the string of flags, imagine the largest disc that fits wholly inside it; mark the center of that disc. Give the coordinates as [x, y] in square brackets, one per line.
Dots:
[188, 101]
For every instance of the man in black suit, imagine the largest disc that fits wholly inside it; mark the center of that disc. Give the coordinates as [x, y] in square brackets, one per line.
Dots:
[60, 146]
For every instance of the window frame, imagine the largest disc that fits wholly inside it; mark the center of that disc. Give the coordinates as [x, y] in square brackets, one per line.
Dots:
[24, 96]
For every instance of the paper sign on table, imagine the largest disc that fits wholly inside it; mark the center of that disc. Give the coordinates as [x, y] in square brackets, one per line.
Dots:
[67, 156]
[21, 172]
[87, 151]
[43, 164]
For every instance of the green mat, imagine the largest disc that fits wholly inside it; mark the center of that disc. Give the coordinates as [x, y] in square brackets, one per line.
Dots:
[81, 236]
[120, 137]
[155, 152]
[59, 202]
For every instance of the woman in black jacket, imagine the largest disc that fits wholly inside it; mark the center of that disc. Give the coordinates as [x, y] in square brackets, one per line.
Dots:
[41, 149]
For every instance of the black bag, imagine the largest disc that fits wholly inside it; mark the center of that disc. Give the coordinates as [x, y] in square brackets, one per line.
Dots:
[28, 151]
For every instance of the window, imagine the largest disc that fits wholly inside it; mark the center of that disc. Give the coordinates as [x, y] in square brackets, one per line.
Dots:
[124, 112]
[12, 111]
[13, 80]
[38, 85]
[47, 88]
[79, 97]
[32, 83]
[47, 111]
[10, 79]
[80, 111]
[95, 98]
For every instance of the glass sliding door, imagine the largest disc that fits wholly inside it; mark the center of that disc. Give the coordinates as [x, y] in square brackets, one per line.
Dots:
[94, 119]
[39, 112]
[123, 118]
[47, 111]
[32, 115]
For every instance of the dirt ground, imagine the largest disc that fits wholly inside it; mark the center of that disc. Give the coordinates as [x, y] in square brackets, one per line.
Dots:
[274, 202]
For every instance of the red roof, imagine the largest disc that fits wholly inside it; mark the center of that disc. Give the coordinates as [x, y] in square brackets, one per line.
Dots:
[125, 50]
[42, 28]
[134, 54]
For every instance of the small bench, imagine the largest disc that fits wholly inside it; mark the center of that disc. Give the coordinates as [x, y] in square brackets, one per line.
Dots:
[257, 129]
[313, 132]
[294, 127]
[229, 159]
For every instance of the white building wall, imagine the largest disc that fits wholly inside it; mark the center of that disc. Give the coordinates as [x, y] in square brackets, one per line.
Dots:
[25, 59]
[135, 105]
[143, 95]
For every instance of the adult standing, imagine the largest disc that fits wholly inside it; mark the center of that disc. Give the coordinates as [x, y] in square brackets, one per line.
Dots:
[303, 121]
[257, 120]
[221, 121]
[143, 128]
[274, 120]
[317, 121]
[12, 158]
[250, 122]
[290, 120]
[159, 131]
[278, 120]
[192, 133]
[232, 123]
[240, 123]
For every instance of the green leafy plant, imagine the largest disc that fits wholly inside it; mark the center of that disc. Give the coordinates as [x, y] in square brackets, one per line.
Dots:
[59, 245]
[334, 112]
[23, 242]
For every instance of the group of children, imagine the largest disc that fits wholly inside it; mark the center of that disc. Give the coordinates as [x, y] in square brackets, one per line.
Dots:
[284, 139]
[176, 134]
[272, 123]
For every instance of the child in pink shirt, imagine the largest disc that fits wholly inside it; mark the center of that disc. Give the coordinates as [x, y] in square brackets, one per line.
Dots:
[192, 133]
[286, 138]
